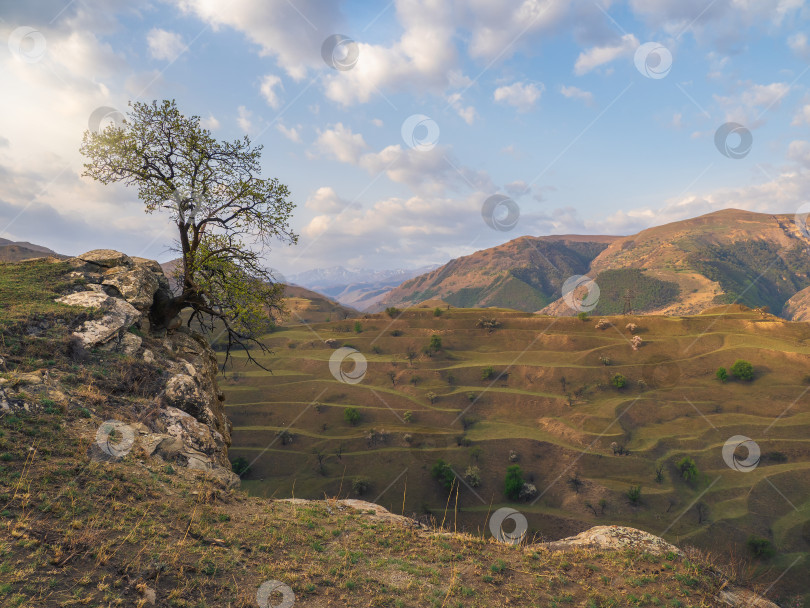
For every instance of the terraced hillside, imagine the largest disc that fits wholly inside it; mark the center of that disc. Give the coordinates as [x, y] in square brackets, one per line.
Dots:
[539, 392]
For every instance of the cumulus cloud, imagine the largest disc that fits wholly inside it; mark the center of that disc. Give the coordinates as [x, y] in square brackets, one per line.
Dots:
[750, 104]
[243, 119]
[164, 44]
[802, 116]
[291, 133]
[325, 200]
[340, 143]
[594, 57]
[520, 95]
[210, 123]
[267, 88]
[577, 93]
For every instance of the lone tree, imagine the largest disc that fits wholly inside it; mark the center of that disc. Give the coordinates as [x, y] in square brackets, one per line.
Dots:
[226, 216]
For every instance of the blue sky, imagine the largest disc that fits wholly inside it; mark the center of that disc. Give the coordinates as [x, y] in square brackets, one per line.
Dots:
[540, 100]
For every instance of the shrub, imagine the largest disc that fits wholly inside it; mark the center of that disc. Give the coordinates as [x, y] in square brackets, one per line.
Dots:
[442, 473]
[487, 373]
[392, 311]
[631, 327]
[408, 416]
[488, 323]
[582, 316]
[240, 466]
[435, 343]
[513, 483]
[396, 333]
[358, 327]
[688, 469]
[634, 494]
[473, 476]
[432, 397]
[437, 312]
[722, 374]
[635, 343]
[619, 381]
[361, 485]
[351, 415]
[761, 548]
[602, 324]
[743, 370]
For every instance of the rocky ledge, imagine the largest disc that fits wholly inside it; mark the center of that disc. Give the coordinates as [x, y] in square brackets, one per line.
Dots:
[185, 422]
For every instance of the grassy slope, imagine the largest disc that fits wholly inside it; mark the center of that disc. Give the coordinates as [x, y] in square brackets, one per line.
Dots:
[80, 532]
[558, 431]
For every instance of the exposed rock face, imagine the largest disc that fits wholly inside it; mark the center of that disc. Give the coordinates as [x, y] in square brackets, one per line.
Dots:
[615, 537]
[187, 425]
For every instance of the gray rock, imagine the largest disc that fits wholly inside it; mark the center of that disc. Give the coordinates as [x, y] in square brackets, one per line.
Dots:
[118, 316]
[137, 285]
[108, 258]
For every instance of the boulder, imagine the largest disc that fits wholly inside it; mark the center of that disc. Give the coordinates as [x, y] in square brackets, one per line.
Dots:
[183, 393]
[108, 258]
[615, 537]
[137, 285]
[118, 316]
[191, 431]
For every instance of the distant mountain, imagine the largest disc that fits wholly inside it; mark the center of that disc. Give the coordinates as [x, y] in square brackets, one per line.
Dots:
[361, 288]
[526, 273]
[17, 251]
[684, 267]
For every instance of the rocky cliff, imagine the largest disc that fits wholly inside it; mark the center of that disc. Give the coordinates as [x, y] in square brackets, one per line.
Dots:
[181, 417]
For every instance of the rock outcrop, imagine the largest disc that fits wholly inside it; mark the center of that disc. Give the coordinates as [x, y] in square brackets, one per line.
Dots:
[186, 423]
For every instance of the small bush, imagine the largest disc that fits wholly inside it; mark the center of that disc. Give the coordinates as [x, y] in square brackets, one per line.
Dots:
[634, 494]
[361, 485]
[435, 343]
[240, 466]
[442, 473]
[619, 381]
[358, 327]
[743, 370]
[761, 548]
[487, 373]
[392, 311]
[722, 374]
[473, 476]
[582, 316]
[688, 469]
[351, 415]
[437, 312]
[396, 333]
[513, 483]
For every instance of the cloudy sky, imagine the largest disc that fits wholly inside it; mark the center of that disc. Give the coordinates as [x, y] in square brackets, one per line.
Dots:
[393, 124]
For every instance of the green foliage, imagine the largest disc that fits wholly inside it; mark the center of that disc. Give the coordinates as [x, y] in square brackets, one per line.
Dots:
[688, 469]
[513, 482]
[634, 494]
[582, 316]
[358, 327]
[442, 473]
[361, 485]
[226, 215]
[351, 415]
[435, 343]
[761, 548]
[437, 312]
[722, 374]
[487, 372]
[408, 416]
[473, 476]
[743, 370]
[240, 466]
[619, 381]
[396, 333]
[392, 311]
[648, 292]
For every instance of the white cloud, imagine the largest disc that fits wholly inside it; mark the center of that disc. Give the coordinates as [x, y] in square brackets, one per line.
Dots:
[798, 44]
[599, 55]
[210, 123]
[164, 44]
[802, 116]
[799, 151]
[291, 133]
[325, 200]
[752, 102]
[268, 90]
[376, 122]
[577, 93]
[341, 143]
[243, 119]
[520, 95]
